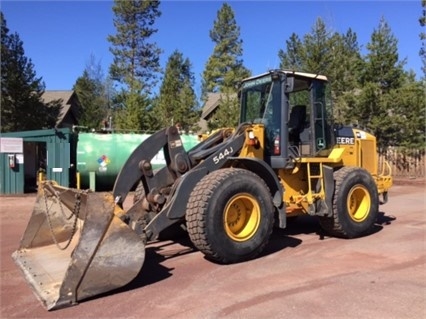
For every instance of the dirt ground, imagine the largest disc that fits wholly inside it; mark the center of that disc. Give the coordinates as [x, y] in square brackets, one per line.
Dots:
[302, 274]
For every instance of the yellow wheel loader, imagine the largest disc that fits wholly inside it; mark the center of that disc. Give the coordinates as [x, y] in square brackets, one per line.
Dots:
[285, 158]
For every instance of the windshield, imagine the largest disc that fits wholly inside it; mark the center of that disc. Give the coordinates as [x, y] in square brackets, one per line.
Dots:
[261, 103]
[257, 98]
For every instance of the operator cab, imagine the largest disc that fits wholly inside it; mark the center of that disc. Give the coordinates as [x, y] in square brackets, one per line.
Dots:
[295, 108]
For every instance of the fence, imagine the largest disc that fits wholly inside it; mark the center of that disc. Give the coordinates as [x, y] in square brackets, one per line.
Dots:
[406, 163]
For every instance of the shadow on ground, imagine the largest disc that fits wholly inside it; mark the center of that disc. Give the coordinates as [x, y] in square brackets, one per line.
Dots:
[154, 271]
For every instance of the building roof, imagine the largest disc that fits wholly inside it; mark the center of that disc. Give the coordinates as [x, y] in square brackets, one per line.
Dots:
[213, 101]
[50, 96]
[66, 105]
[211, 104]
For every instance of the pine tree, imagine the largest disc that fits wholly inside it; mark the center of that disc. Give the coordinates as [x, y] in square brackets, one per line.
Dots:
[422, 21]
[177, 100]
[382, 75]
[335, 55]
[131, 112]
[408, 114]
[382, 64]
[224, 68]
[318, 49]
[92, 91]
[343, 73]
[136, 60]
[313, 54]
[22, 107]
[293, 57]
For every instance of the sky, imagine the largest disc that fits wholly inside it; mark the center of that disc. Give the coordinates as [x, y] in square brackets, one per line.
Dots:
[61, 36]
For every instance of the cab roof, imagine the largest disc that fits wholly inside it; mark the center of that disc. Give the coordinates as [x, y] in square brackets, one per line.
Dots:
[290, 72]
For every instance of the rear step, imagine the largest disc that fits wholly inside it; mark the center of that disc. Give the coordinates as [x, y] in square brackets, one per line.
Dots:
[75, 246]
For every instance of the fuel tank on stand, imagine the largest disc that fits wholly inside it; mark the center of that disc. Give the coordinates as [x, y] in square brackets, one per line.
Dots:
[101, 156]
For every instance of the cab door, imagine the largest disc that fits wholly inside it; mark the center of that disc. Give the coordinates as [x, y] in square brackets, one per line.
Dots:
[322, 122]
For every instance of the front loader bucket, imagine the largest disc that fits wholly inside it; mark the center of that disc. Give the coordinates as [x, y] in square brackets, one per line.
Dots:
[76, 246]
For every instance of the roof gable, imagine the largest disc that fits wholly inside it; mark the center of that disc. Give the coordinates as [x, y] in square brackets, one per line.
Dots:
[212, 103]
[49, 96]
[69, 103]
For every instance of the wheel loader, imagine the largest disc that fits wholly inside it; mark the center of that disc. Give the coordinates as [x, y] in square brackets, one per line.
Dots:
[285, 158]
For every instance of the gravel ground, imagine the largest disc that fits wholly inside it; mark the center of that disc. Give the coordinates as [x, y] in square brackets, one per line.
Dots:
[302, 274]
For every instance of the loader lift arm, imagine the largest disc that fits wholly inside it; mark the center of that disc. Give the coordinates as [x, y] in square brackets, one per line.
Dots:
[167, 190]
[138, 165]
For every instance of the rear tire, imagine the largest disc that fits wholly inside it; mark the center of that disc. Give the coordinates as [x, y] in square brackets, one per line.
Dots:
[355, 204]
[230, 215]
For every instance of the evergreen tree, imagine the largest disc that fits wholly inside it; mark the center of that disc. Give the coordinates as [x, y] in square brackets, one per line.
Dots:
[131, 112]
[408, 114]
[318, 49]
[372, 91]
[177, 100]
[22, 107]
[396, 117]
[293, 57]
[422, 21]
[382, 76]
[343, 73]
[92, 91]
[136, 60]
[382, 64]
[313, 54]
[224, 67]
[335, 55]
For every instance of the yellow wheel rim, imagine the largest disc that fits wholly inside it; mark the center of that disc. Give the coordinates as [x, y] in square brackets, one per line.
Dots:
[241, 217]
[358, 203]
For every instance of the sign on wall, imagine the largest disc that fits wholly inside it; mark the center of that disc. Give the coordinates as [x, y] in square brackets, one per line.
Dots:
[11, 145]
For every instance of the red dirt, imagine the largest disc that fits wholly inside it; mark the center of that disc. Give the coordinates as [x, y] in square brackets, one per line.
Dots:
[302, 273]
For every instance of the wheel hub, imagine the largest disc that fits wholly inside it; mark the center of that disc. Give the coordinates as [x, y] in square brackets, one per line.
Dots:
[241, 217]
[359, 203]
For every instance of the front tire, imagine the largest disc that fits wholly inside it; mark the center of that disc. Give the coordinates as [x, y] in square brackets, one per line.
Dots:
[230, 215]
[355, 204]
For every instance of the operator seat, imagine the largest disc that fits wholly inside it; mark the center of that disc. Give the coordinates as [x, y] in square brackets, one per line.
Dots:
[296, 123]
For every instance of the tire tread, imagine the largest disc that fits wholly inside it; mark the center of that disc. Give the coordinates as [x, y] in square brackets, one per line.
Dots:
[333, 225]
[196, 206]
